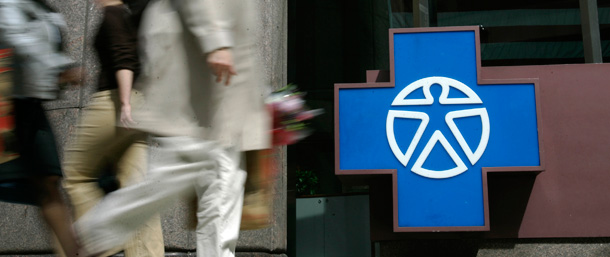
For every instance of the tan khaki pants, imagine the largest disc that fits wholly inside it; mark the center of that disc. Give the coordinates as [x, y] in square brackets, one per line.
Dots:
[98, 142]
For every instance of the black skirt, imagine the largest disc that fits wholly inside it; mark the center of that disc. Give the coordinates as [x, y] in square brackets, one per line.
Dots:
[38, 155]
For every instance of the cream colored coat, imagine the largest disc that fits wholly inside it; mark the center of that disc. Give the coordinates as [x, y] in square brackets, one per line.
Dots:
[182, 98]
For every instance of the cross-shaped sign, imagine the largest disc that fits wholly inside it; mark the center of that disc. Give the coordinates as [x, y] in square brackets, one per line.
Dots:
[438, 129]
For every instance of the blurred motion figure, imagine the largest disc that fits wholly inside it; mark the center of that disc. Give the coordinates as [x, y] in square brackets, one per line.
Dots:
[100, 148]
[204, 106]
[32, 30]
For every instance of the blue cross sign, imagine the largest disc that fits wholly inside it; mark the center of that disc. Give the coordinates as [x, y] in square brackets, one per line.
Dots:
[437, 129]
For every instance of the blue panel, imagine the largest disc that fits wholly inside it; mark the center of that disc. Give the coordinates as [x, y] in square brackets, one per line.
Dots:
[424, 201]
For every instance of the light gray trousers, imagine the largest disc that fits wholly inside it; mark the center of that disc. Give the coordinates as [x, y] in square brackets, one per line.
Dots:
[183, 167]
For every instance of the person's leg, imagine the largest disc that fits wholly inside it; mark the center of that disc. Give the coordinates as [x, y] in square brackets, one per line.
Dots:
[220, 205]
[38, 153]
[56, 215]
[148, 239]
[257, 195]
[97, 146]
[180, 164]
[85, 154]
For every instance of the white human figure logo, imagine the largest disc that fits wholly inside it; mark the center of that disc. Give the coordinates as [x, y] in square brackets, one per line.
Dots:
[438, 137]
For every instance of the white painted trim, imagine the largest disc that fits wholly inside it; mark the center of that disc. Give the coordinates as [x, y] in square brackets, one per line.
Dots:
[473, 157]
[392, 114]
[438, 137]
[445, 83]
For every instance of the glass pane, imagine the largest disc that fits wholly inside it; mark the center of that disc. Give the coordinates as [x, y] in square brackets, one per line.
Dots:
[518, 32]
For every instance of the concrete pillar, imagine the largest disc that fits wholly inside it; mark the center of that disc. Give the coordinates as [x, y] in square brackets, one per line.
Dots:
[590, 31]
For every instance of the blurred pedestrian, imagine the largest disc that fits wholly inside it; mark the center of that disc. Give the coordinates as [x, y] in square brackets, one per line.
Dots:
[204, 106]
[100, 148]
[31, 29]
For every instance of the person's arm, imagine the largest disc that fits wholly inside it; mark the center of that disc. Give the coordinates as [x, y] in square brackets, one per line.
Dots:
[124, 79]
[26, 42]
[211, 21]
[221, 63]
[122, 46]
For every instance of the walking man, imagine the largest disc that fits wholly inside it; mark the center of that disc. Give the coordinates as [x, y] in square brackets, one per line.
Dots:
[204, 106]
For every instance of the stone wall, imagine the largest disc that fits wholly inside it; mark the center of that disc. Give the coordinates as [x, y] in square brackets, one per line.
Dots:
[22, 231]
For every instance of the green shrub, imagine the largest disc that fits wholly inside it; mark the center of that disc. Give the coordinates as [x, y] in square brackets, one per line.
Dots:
[307, 182]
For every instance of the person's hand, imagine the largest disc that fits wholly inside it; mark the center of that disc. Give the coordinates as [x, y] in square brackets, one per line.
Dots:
[72, 76]
[221, 63]
[125, 116]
